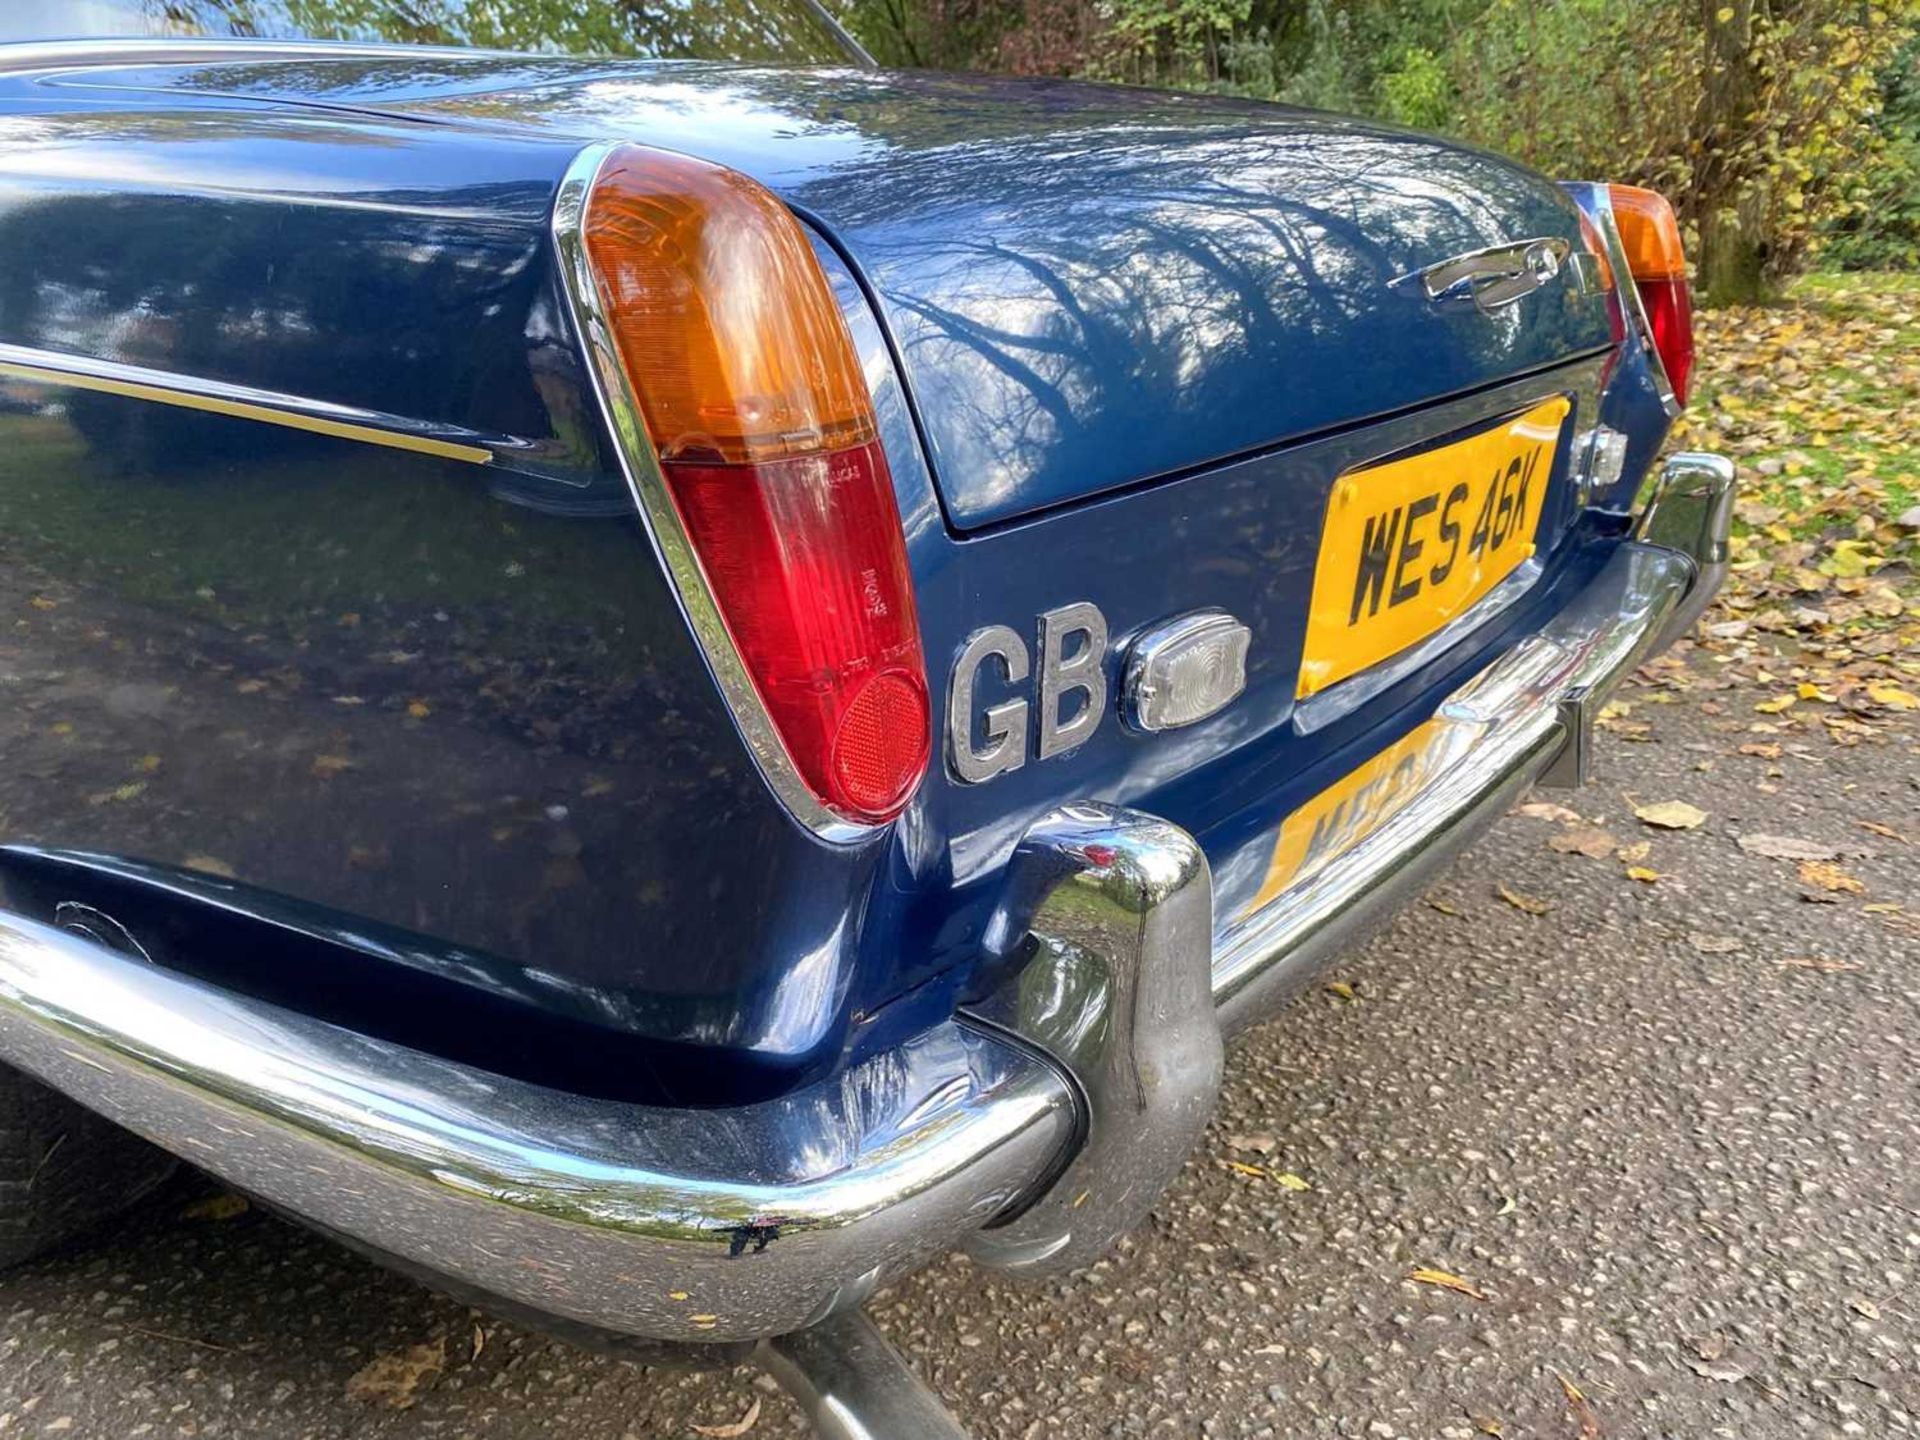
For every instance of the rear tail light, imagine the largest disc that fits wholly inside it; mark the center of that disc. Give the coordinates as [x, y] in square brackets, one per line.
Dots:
[752, 394]
[1650, 238]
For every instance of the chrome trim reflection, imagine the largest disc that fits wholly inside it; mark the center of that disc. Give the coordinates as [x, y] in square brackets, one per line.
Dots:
[661, 516]
[1106, 919]
[686, 1225]
[1497, 276]
[1006, 731]
[217, 50]
[1062, 674]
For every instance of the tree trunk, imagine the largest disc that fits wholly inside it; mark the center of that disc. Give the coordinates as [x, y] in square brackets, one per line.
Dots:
[1729, 185]
[1732, 264]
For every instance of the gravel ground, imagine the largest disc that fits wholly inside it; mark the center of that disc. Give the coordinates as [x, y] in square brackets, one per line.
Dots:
[1666, 1131]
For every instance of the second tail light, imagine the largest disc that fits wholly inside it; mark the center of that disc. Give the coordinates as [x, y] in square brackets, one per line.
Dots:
[1650, 236]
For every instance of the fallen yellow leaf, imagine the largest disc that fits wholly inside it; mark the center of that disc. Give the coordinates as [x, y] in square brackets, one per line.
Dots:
[1522, 902]
[1447, 1281]
[1642, 874]
[224, 1206]
[392, 1380]
[1892, 696]
[1828, 876]
[1670, 815]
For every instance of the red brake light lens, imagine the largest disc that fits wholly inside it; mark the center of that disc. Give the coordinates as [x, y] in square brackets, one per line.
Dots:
[1650, 236]
[753, 396]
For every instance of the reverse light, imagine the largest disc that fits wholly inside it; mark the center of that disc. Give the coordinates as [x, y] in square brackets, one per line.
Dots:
[1650, 237]
[752, 394]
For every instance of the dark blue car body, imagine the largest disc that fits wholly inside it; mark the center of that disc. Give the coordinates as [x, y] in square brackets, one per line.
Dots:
[349, 684]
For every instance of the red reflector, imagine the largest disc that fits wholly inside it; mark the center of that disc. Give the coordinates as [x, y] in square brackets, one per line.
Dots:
[807, 566]
[881, 742]
[1669, 307]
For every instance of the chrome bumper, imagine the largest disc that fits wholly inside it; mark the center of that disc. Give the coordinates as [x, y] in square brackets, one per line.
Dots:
[1069, 1101]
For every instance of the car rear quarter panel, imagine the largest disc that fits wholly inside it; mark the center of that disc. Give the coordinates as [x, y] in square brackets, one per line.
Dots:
[451, 699]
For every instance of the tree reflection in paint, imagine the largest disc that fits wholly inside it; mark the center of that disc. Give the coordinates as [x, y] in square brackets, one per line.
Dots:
[764, 30]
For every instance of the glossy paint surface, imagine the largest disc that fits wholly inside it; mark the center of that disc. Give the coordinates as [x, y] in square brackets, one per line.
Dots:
[1088, 285]
[449, 714]
[447, 699]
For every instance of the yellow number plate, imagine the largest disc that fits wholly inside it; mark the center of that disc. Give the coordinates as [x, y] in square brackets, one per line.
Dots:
[1410, 544]
[1357, 804]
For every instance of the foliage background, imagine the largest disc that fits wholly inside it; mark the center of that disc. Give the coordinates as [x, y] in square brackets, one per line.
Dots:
[1781, 129]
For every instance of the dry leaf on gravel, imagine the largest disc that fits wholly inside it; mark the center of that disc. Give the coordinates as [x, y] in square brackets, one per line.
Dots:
[1786, 847]
[1829, 877]
[225, 1206]
[1547, 810]
[731, 1432]
[1580, 1408]
[1670, 815]
[1885, 832]
[1711, 1360]
[1588, 840]
[1893, 697]
[1290, 1181]
[1341, 988]
[1522, 902]
[1713, 944]
[1725, 1371]
[1642, 874]
[1448, 1281]
[394, 1380]
[1259, 1143]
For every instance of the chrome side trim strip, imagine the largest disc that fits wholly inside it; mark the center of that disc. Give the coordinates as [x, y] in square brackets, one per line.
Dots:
[218, 397]
[662, 517]
[686, 1225]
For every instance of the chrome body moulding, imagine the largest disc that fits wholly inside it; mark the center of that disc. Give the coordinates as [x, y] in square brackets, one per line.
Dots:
[693, 1225]
[1031, 1129]
[1105, 928]
[1497, 276]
